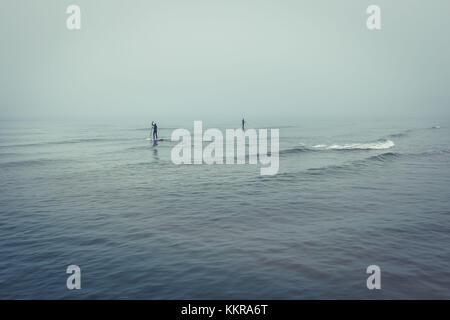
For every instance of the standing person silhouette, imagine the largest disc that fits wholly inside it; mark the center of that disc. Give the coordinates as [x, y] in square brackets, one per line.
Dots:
[243, 124]
[155, 130]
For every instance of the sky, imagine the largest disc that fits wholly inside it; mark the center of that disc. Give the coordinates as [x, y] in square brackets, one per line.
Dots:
[210, 59]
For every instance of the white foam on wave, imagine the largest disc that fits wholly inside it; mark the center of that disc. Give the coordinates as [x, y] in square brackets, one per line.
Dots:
[379, 145]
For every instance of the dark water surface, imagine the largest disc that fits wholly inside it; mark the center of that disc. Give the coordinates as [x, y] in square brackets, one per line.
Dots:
[347, 195]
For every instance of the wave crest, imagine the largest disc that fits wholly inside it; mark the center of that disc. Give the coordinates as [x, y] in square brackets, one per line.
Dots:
[378, 145]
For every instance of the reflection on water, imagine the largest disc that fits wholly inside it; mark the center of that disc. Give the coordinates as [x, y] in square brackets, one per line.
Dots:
[155, 151]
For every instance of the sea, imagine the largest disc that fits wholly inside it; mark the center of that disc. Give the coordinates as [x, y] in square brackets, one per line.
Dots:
[348, 194]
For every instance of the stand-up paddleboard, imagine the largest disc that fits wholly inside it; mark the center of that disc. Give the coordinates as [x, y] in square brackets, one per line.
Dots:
[158, 139]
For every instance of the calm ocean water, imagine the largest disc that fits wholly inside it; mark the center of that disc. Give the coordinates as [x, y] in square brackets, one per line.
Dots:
[348, 194]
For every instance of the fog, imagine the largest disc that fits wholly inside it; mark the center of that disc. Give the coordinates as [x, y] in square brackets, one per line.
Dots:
[223, 59]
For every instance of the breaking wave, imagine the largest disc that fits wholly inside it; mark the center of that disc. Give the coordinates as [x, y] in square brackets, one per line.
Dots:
[378, 145]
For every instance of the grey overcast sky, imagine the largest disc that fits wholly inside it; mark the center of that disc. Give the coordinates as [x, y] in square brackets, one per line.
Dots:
[212, 59]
